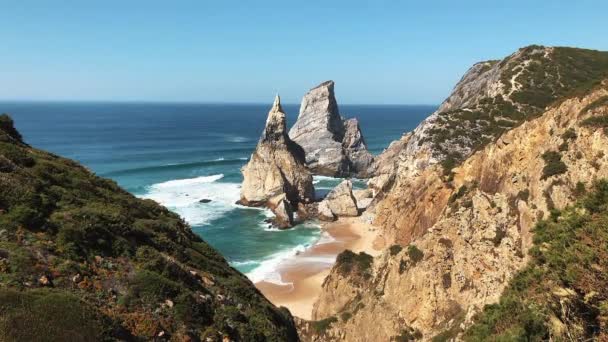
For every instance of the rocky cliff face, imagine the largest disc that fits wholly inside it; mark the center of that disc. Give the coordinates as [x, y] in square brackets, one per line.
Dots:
[333, 146]
[462, 225]
[276, 168]
[83, 260]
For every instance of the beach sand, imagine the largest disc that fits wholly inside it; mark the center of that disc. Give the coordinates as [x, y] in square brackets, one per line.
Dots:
[304, 274]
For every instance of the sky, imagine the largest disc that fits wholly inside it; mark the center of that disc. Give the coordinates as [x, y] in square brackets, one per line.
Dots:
[377, 52]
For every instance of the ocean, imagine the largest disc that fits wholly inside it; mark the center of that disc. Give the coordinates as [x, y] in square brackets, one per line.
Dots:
[178, 154]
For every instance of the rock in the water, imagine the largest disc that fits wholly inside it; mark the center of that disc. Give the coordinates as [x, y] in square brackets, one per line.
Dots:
[324, 213]
[282, 210]
[333, 146]
[276, 167]
[204, 200]
[341, 201]
[356, 150]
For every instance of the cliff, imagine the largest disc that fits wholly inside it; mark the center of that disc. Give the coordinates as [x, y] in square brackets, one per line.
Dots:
[518, 140]
[333, 145]
[83, 260]
[275, 175]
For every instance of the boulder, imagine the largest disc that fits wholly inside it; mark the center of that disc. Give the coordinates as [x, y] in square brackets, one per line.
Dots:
[282, 210]
[355, 149]
[333, 146]
[276, 167]
[324, 213]
[341, 201]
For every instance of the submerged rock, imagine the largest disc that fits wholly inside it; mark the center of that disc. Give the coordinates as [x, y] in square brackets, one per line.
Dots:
[204, 200]
[276, 167]
[333, 146]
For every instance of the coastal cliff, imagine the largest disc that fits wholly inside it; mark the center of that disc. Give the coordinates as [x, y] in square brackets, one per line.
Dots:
[275, 175]
[333, 145]
[458, 199]
[83, 260]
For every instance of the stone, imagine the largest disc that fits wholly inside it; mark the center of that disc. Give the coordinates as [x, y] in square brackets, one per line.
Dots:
[355, 148]
[204, 200]
[341, 201]
[329, 141]
[283, 212]
[324, 213]
[277, 166]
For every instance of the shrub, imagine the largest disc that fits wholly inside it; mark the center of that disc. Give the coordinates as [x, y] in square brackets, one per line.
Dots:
[553, 164]
[47, 315]
[345, 316]
[395, 249]
[321, 326]
[567, 254]
[407, 334]
[569, 134]
[414, 253]
[524, 195]
[348, 262]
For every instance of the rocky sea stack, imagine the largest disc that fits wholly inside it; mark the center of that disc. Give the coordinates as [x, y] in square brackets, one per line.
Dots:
[276, 175]
[333, 146]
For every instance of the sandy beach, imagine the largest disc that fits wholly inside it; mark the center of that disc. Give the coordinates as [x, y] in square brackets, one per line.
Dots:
[304, 274]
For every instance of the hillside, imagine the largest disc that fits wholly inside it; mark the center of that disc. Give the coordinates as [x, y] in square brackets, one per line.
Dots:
[83, 260]
[461, 231]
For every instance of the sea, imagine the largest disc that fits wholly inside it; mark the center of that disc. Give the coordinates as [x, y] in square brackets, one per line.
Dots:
[180, 153]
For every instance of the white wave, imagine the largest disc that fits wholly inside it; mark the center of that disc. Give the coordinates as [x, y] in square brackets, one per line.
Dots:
[243, 263]
[316, 179]
[268, 269]
[188, 181]
[237, 139]
[183, 196]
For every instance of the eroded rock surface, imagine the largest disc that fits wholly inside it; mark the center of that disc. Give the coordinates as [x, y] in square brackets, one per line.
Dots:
[333, 146]
[341, 201]
[276, 167]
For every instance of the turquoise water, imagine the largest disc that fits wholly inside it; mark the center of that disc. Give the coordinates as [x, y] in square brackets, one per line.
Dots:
[178, 154]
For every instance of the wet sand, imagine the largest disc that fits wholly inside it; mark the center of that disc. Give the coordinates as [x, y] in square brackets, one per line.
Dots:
[304, 274]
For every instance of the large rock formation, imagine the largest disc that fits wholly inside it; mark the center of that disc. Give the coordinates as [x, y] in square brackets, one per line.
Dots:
[460, 200]
[276, 168]
[333, 146]
[83, 260]
[341, 201]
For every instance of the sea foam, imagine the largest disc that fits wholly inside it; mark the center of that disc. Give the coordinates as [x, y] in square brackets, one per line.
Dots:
[183, 196]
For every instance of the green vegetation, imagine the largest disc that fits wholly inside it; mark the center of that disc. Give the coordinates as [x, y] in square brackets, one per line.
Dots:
[348, 262]
[120, 267]
[321, 326]
[395, 249]
[414, 253]
[563, 288]
[345, 316]
[549, 77]
[553, 164]
[407, 334]
[601, 102]
[597, 122]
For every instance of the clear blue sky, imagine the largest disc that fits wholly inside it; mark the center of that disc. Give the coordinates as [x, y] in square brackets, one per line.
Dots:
[245, 51]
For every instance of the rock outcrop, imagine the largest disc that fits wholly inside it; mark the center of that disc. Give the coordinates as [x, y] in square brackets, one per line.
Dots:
[276, 168]
[340, 200]
[461, 225]
[333, 146]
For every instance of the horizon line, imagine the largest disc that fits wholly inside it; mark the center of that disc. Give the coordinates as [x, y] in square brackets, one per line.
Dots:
[194, 102]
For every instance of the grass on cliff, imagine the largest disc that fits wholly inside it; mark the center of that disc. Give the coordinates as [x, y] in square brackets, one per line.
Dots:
[348, 262]
[114, 256]
[561, 294]
[546, 80]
